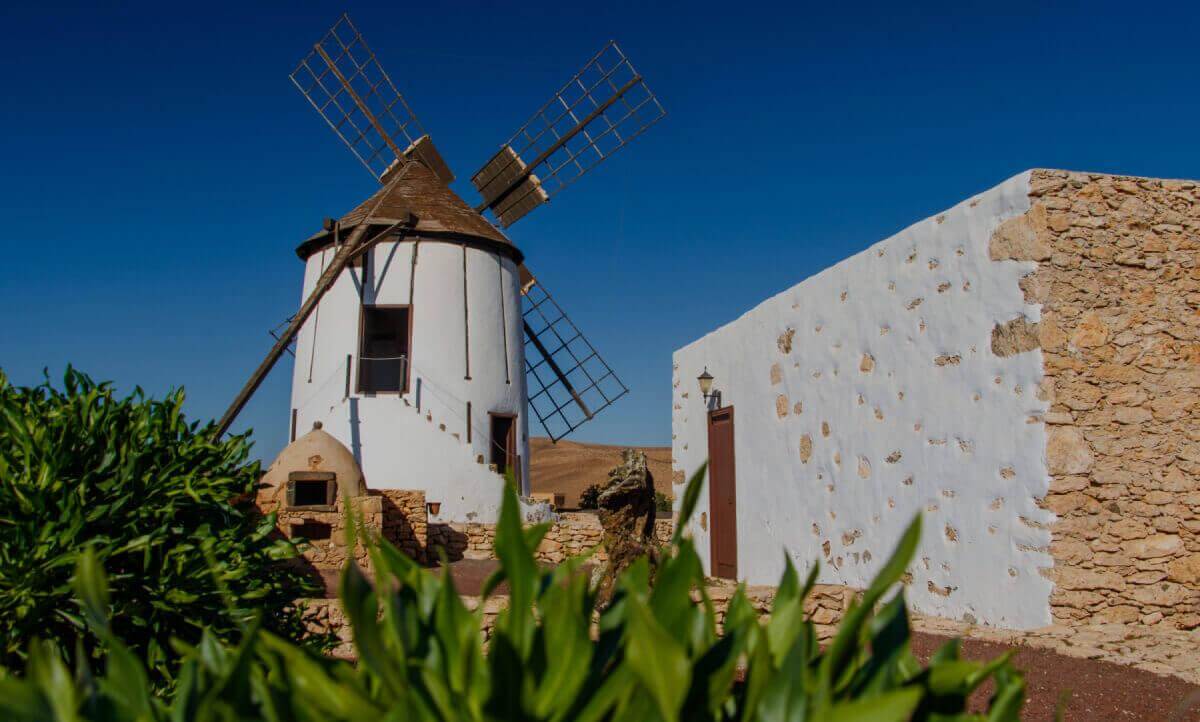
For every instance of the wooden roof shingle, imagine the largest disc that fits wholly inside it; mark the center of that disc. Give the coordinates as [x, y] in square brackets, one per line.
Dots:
[416, 190]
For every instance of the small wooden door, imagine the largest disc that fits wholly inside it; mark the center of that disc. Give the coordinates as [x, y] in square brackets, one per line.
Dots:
[722, 493]
[503, 450]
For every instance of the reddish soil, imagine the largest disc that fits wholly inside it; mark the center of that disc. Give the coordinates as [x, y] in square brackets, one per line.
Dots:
[1097, 690]
[569, 467]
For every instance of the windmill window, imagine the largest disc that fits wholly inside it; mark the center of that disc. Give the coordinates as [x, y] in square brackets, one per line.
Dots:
[312, 490]
[383, 350]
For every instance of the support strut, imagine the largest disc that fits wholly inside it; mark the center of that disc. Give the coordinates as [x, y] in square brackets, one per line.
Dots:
[355, 245]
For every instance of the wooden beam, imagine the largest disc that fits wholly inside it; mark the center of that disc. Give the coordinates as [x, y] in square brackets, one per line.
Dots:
[354, 246]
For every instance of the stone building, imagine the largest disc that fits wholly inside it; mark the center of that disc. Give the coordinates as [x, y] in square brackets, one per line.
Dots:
[1021, 369]
[308, 487]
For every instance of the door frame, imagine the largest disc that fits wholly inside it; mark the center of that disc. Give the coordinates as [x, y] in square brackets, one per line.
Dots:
[712, 487]
[511, 458]
[362, 327]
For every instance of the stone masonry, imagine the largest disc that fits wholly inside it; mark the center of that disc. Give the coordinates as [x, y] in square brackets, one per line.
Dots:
[1118, 278]
[398, 515]
[572, 534]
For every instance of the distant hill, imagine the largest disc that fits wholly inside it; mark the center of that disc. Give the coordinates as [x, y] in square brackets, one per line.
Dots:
[570, 467]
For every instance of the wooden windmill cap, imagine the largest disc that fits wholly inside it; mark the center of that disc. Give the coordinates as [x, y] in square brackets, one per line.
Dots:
[441, 214]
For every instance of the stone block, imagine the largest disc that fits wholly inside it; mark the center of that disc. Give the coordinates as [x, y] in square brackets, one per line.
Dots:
[1185, 570]
[1017, 239]
[1014, 337]
[1158, 545]
[1077, 579]
[1090, 332]
[1067, 452]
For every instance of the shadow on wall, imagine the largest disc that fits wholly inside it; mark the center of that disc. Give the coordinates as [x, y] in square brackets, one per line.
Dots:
[355, 439]
[398, 529]
[452, 542]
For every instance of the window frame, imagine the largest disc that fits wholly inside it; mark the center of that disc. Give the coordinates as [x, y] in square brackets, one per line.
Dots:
[362, 327]
[330, 480]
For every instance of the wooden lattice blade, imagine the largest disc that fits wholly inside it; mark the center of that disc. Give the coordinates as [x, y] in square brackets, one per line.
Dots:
[344, 82]
[599, 111]
[568, 381]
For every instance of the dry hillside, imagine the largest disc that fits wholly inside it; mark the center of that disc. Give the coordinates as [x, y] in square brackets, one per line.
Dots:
[570, 467]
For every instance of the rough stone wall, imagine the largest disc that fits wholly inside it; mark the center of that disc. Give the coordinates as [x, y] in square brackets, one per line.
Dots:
[461, 540]
[330, 553]
[825, 606]
[399, 515]
[573, 533]
[404, 520]
[576, 533]
[1118, 278]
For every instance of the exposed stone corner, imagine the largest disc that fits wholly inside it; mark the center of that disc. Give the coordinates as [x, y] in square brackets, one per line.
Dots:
[1014, 337]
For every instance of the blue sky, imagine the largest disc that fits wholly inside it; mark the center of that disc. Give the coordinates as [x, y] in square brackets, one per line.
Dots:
[157, 168]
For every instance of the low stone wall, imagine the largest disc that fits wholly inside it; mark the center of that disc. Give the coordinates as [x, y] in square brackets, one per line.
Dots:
[325, 531]
[572, 534]
[579, 532]
[461, 541]
[404, 520]
[323, 616]
[825, 606]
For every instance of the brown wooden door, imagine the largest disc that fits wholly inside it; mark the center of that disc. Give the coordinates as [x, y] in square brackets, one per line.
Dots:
[504, 444]
[722, 493]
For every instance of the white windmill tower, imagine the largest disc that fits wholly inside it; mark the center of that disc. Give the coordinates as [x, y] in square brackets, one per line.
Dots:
[424, 341]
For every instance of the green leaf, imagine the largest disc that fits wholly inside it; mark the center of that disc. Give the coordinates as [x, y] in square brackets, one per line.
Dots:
[894, 706]
[834, 668]
[53, 680]
[660, 663]
[362, 609]
[91, 590]
[670, 600]
[521, 572]
[566, 645]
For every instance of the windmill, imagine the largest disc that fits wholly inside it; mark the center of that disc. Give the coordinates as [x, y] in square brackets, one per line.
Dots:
[421, 320]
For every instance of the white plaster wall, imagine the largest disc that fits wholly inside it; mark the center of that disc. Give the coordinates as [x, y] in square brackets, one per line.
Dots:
[966, 442]
[397, 445]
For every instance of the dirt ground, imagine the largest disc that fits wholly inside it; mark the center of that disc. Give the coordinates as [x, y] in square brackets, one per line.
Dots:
[569, 467]
[1098, 690]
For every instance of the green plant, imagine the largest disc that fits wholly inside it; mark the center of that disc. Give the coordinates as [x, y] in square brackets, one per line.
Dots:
[155, 500]
[662, 502]
[653, 655]
[590, 497]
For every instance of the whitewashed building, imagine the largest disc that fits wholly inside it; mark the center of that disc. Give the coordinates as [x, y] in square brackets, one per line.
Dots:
[415, 357]
[847, 404]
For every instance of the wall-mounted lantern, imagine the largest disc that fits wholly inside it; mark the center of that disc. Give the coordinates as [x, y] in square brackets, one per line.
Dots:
[433, 507]
[706, 381]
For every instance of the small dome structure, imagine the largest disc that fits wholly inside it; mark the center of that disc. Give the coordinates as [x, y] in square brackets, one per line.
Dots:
[316, 455]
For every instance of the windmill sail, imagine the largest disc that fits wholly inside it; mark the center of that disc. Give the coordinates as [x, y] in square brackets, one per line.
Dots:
[569, 383]
[600, 110]
[344, 81]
